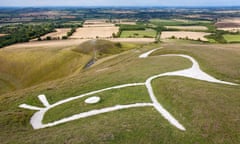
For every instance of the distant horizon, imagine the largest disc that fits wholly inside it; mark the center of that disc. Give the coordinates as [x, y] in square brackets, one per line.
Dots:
[108, 6]
[122, 3]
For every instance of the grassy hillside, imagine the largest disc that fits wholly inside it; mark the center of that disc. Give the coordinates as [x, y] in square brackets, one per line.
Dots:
[102, 48]
[208, 111]
[21, 68]
[24, 68]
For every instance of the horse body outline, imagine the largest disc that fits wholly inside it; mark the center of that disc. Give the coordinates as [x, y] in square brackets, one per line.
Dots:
[193, 72]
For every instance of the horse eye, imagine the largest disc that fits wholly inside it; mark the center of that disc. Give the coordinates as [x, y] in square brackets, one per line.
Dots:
[92, 100]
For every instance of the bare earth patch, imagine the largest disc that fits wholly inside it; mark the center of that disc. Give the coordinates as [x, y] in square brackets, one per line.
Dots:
[184, 34]
[93, 32]
[187, 27]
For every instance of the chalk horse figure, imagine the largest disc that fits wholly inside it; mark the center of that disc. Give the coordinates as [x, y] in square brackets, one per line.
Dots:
[193, 72]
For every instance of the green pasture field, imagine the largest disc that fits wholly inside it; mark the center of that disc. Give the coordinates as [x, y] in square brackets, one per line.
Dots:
[232, 37]
[177, 22]
[139, 34]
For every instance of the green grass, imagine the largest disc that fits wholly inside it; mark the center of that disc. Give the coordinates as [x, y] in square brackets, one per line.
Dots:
[139, 34]
[208, 111]
[175, 22]
[22, 68]
[219, 60]
[110, 98]
[230, 38]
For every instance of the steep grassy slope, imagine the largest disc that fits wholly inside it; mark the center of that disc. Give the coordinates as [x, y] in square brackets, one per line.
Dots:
[21, 68]
[24, 68]
[208, 111]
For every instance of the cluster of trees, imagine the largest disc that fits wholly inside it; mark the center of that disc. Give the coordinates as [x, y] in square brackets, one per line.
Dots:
[73, 30]
[23, 33]
[217, 36]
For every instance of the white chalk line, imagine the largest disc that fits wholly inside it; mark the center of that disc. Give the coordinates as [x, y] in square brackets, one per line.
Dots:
[193, 72]
[84, 114]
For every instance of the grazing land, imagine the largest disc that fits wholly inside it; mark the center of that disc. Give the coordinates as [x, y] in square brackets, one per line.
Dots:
[177, 22]
[232, 37]
[148, 33]
[184, 35]
[190, 28]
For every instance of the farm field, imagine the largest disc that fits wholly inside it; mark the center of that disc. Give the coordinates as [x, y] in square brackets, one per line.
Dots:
[1, 35]
[60, 32]
[93, 32]
[193, 28]
[184, 35]
[231, 24]
[232, 38]
[230, 29]
[177, 22]
[148, 33]
[133, 40]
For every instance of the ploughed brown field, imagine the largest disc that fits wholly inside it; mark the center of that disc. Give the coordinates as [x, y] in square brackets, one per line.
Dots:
[229, 24]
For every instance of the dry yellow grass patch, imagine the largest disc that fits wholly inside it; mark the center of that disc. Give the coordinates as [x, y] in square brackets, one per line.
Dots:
[230, 29]
[93, 32]
[188, 27]
[184, 34]
[99, 25]
[95, 21]
[54, 44]
[230, 20]
[1, 35]
[58, 34]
